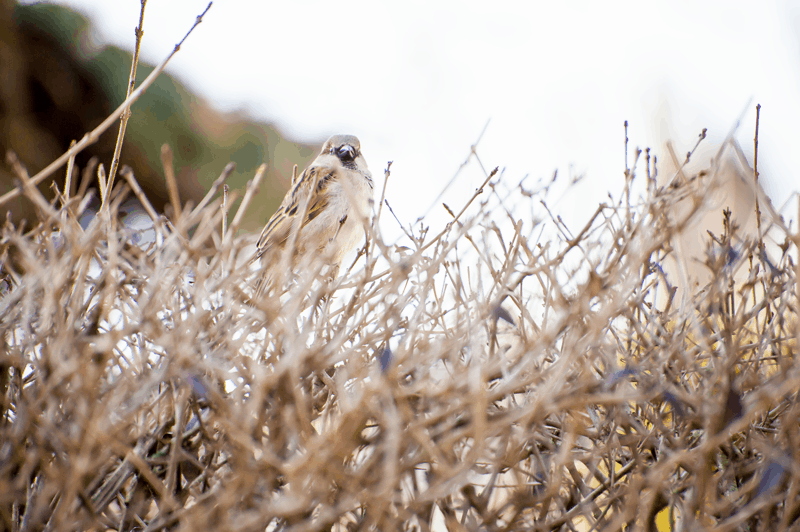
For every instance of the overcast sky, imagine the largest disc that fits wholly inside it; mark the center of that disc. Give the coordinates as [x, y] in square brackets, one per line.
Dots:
[417, 81]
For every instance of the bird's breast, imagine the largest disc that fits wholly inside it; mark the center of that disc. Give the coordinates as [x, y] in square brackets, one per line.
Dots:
[338, 228]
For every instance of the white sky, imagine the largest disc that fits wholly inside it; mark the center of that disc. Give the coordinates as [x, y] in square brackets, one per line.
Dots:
[416, 81]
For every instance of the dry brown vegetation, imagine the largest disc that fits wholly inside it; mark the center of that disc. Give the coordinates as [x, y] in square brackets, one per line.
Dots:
[485, 378]
[499, 373]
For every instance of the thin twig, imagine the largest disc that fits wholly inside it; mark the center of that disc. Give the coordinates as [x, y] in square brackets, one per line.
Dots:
[626, 148]
[172, 183]
[68, 185]
[126, 114]
[87, 176]
[478, 192]
[472, 152]
[679, 171]
[224, 207]
[102, 181]
[399, 222]
[252, 188]
[386, 175]
[755, 178]
[127, 173]
[226, 172]
[27, 185]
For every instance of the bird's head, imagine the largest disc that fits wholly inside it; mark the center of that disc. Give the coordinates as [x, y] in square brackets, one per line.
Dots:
[347, 149]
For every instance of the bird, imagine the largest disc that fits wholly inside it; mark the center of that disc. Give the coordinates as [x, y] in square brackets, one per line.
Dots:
[325, 207]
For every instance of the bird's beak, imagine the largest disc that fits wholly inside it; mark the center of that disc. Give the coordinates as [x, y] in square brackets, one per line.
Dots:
[347, 153]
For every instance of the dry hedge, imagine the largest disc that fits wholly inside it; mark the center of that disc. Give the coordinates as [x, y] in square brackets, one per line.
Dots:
[494, 376]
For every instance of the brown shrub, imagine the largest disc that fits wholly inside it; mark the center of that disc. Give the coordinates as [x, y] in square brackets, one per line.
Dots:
[485, 378]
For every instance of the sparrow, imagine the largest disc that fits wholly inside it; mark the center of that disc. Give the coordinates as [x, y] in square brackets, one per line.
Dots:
[325, 206]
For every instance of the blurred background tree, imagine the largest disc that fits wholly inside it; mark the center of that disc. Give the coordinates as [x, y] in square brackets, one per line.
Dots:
[56, 85]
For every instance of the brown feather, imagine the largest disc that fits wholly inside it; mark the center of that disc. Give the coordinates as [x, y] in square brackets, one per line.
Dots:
[310, 187]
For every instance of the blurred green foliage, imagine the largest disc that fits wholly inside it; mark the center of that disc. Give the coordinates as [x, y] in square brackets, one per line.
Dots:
[202, 139]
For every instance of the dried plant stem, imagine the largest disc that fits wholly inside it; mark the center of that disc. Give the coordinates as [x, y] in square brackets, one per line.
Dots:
[679, 172]
[126, 114]
[252, 188]
[472, 152]
[28, 187]
[386, 175]
[477, 193]
[127, 173]
[68, 185]
[626, 148]
[226, 172]
[797, 272]
[755, 178]
[150, 391]
[102, 180]
[180, 424]
[399, 223]
[224, 207]
[87, 176]
[172, 183]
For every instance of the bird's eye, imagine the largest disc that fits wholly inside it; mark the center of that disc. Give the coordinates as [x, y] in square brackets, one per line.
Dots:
[347, 153]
